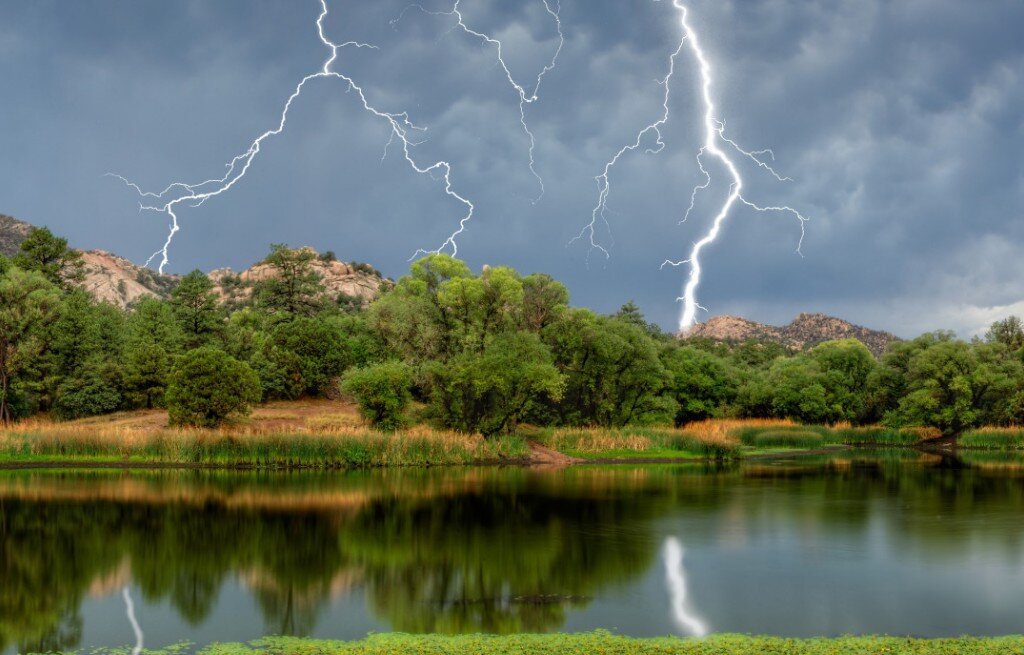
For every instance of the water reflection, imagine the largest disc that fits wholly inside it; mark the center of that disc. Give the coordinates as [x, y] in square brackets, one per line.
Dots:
[136, 628]
[800, 547]
[675, 579]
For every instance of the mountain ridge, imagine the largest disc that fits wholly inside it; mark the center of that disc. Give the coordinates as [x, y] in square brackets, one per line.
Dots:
[804, 331]
[121, 282]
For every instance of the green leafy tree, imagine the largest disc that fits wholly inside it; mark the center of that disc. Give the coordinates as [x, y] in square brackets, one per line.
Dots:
[489, 392]
[91, 391]
[754, 395]
[888, 382]
[441, 310]
[846, 366]
[280, 372]
[614, 375]
[322, 350]
[700, 383]
[50, 255]
[208, 386]
[84, 334]
[828, 384]
[382, 392]
[1009, 332]
[544, 301]
[147, 368]
[294, 287]
[798, 390]
[953, 386]
[28, 304]
[153, 340]
[195, 308]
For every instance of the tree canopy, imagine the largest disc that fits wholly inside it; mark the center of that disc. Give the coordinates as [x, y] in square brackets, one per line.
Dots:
[478, 351]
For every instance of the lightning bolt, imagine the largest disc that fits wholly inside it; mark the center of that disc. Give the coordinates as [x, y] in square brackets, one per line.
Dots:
[717, 145]
[526, 97]
[178, 194]
[600, 211]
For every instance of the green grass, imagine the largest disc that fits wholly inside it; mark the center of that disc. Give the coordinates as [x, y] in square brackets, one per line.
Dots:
[877, 436]
[604, 643]
[994, 439]
[789, 439]
[796, 436]
[812, 436]
[272, 450]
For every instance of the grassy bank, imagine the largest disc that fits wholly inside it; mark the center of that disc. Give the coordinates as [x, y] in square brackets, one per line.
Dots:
[994, 439]
[331, 434]
[709, 441]
[336, 448]
[607, 644]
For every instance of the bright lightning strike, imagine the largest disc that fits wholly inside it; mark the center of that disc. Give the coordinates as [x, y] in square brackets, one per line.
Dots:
[526, 96]
[714, 135]
[195, 194]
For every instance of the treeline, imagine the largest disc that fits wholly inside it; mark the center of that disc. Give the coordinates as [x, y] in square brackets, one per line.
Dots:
[473, 352]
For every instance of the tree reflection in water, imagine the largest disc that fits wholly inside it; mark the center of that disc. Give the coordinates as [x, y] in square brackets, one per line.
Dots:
[454, 550]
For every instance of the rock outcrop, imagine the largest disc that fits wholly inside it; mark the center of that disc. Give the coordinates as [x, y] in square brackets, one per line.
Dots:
[116, 280]
[12, 233]
[356, 282]
[120, 282]
[806, 331]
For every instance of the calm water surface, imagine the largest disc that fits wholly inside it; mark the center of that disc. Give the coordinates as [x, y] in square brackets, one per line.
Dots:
[898, 543]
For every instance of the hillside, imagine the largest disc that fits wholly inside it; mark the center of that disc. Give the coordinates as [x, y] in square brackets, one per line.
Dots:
[12, 233]
[121, 282]
[805, 331]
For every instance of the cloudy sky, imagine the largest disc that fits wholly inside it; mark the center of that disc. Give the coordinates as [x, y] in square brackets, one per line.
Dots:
[902, 124]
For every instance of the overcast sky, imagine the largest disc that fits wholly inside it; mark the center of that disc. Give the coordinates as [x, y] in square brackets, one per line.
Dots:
[902, 124]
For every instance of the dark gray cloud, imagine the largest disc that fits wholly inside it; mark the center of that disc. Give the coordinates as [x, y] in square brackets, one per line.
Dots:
[901, 123]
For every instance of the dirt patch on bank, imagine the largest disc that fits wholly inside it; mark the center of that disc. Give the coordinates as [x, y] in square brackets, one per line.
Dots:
[541, 455]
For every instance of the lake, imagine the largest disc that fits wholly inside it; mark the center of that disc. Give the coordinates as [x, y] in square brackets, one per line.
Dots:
[898, 542]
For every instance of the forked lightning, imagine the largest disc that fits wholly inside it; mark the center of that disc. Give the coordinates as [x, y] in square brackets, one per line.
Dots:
[526, 96]
[179, 194]
[716, 144]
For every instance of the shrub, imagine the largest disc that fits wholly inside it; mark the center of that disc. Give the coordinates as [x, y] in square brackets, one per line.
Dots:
[382, 392]
[207, 386]
[96, 390]
[788, 439]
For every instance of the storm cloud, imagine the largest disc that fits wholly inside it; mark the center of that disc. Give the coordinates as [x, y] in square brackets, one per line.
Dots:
[900, 122]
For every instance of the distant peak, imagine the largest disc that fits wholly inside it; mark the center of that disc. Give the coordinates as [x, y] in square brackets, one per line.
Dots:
[805, 331]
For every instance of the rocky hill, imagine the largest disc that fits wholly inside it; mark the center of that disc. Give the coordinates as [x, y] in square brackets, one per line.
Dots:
[12, 233]
[353, 281]
[119, 281]
[805, 331]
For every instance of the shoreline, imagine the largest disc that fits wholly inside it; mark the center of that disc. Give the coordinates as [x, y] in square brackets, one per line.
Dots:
[608, 643]
[526, 462]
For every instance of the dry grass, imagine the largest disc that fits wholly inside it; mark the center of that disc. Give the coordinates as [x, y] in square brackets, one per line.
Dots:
[301, 434]
[729, 424]
[640, 440]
